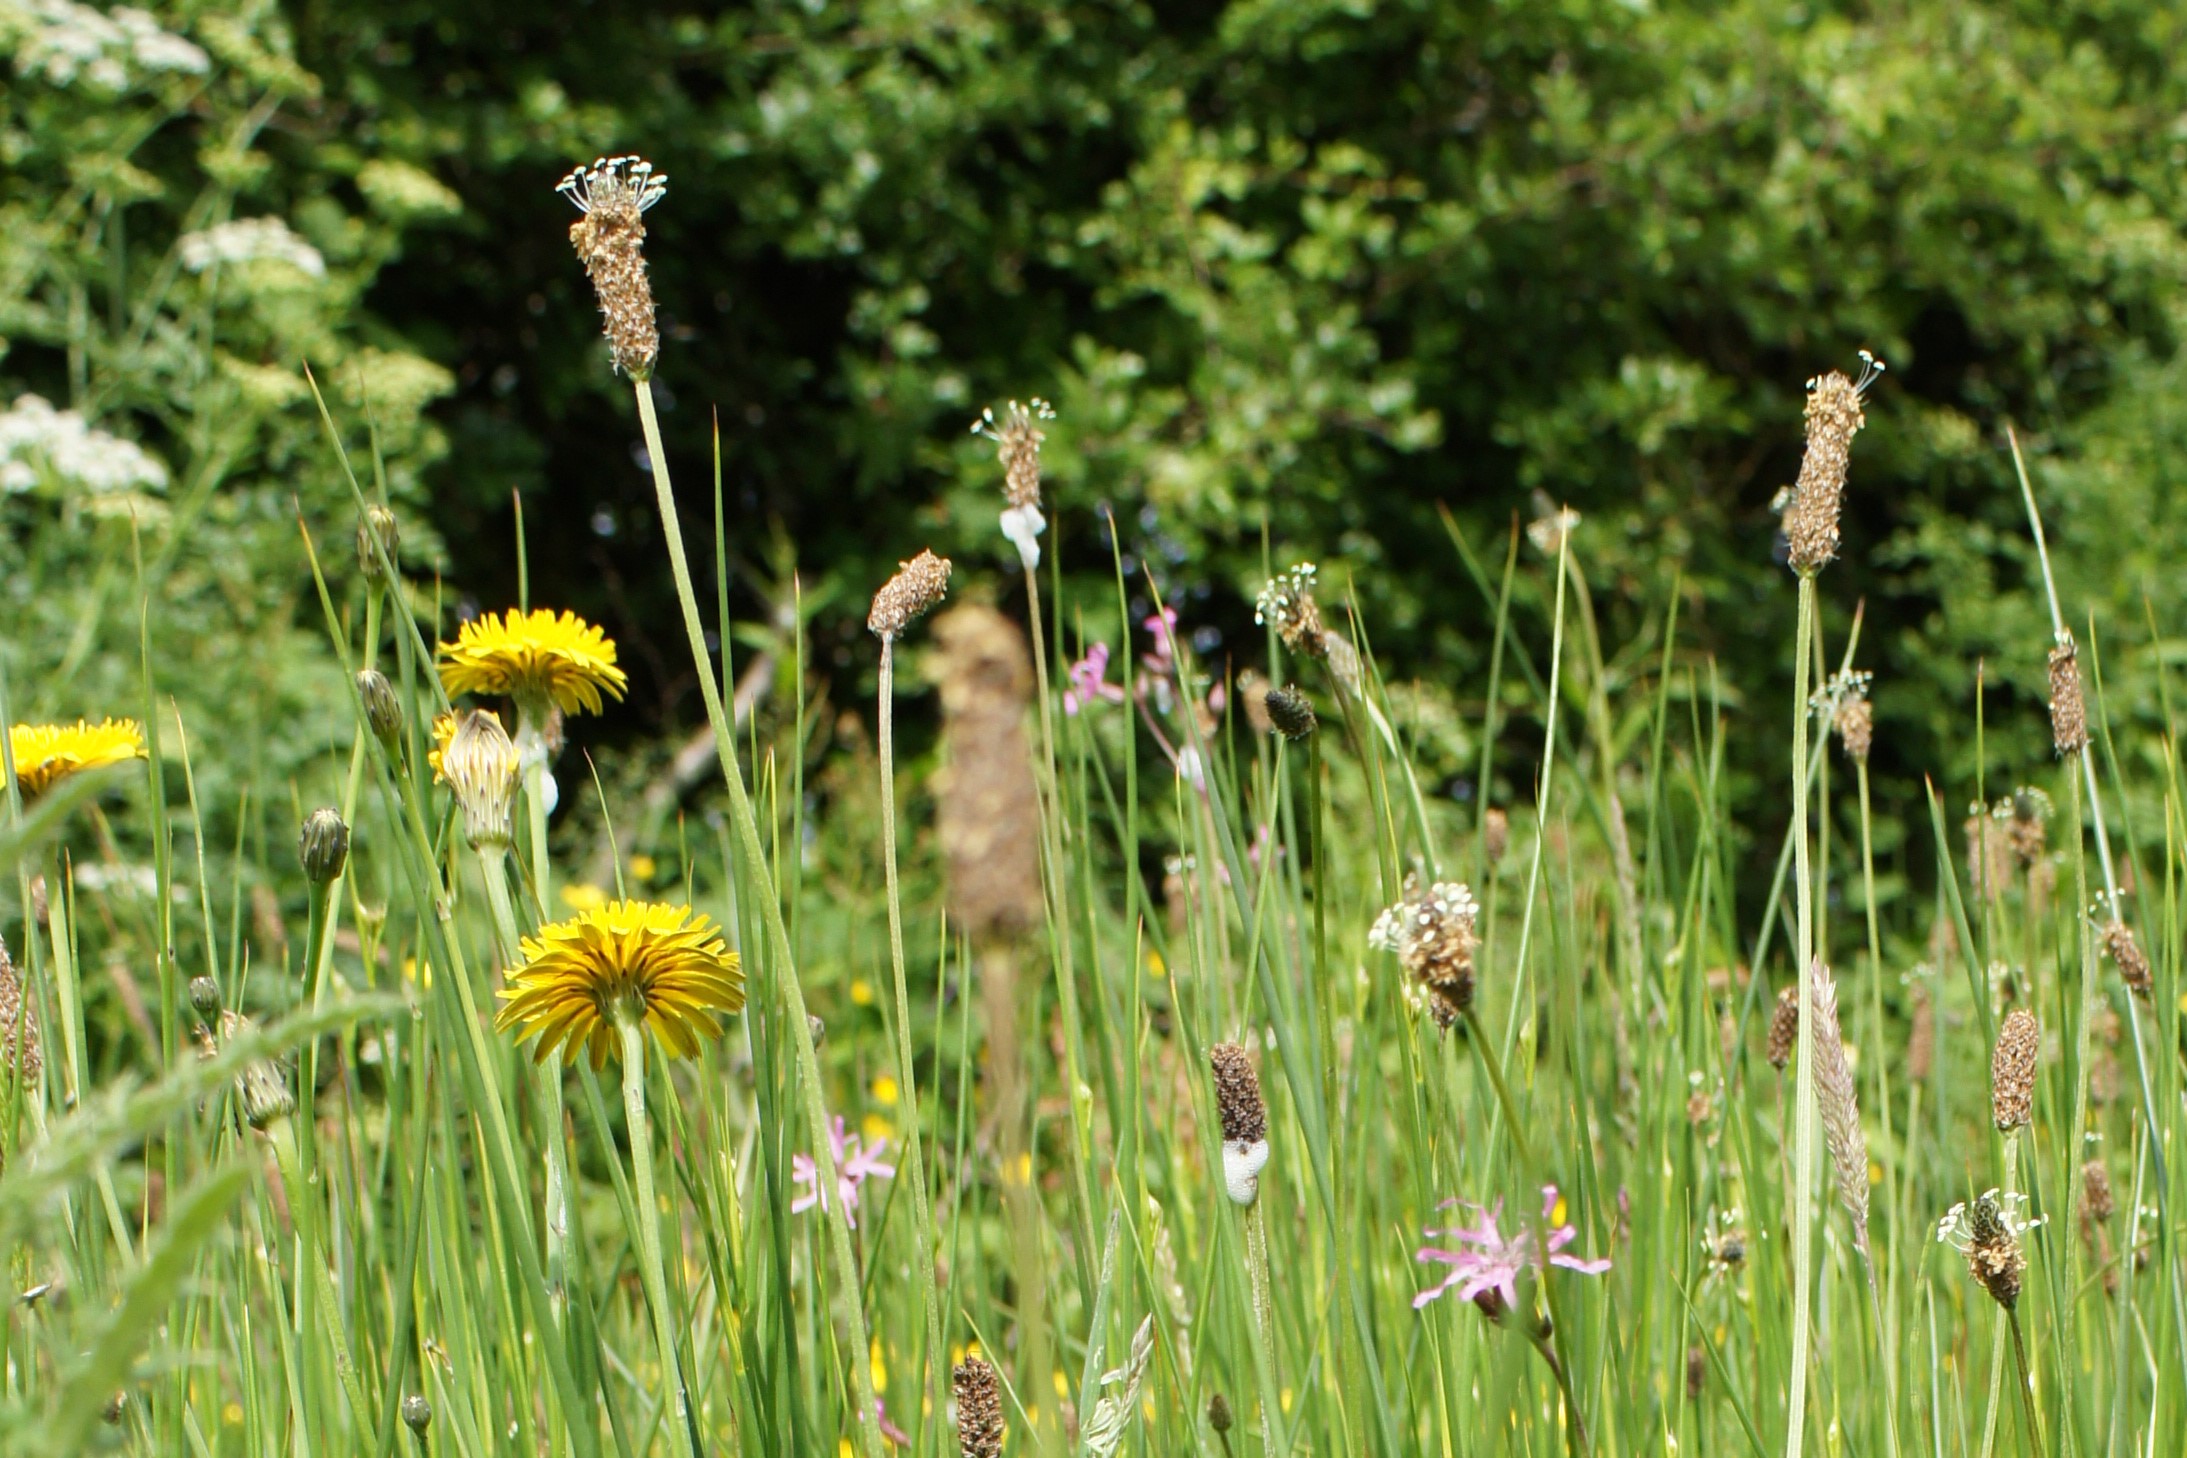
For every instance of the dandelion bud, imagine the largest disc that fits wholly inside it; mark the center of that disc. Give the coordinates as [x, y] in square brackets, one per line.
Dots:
[417, 1413]
[1244, 1120]
[1218, 1414]
[1834, 417]
[1495, 835]
[979, 1409]
[382, 710]
[613, 194]
[378, 533]
[265, 1093]
[2012, 1070]
[480, 763]
[205, 998]
[918, 586]
[2133, 962]
[1290, 713]
[323, 846]
[21, 1052]
[1784, 1029]
[2068, 714]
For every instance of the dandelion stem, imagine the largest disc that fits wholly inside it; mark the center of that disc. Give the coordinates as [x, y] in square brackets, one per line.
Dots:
[648, 1221]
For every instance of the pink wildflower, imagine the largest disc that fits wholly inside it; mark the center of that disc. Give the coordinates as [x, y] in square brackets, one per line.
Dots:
[1089, 681]
[855, 1163]
[1490, 1263]
[1163, 625]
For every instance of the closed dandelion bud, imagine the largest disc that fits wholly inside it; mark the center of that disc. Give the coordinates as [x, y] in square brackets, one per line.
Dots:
[2068, 713]
[323, 846]
[2133, 962]
[1244, 1120]
[1218, 1414]
[21, 1051]
[1834, 417]
[480, 764]
[2012, 1070]
[205, 998]
[918, 586]
[979, 1409]
[1495, 835]
[265, 1093]
[1784, 1029]
[382, 710]
[417, 1413]
[1290, 713]
[613, 194]
[378, 534]
[2096, 1199]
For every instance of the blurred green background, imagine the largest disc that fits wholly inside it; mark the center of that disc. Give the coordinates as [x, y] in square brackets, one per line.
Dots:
[1298, 276]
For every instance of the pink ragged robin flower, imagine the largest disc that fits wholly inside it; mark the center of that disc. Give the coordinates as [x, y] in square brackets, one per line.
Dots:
[855, 1163]
[1089, 681]
[1488, 1263]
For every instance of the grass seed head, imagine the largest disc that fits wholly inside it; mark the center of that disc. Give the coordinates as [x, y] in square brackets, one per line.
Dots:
[917, 588]
[987, 807]
[1784, 1029]
[1995, 1256]
[2012, 1070]
[21, 1051]
[1834, 417]
[2096, 1198]
[613, 194]
[979, 1409]
[1432, 931]
[1839, 1106]
[1238, 1103]
[2068, 712]
[1290, 713]
[2132, 961]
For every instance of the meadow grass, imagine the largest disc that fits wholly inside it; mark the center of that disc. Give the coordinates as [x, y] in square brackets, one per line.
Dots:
[361, 1219]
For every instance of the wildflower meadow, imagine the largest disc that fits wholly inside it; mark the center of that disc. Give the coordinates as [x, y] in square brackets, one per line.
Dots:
[1045, 1025]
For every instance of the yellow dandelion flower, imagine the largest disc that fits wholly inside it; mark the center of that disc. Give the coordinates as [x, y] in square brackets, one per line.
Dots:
[885, 1091]
[644, 867]
[46, 754]
[538, 656]
[444, 729]
[645, 959]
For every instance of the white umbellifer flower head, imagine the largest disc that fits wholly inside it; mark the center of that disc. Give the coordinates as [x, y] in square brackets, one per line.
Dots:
[250, 240]
[65, 41]
[37, 439]
[1243, 1161]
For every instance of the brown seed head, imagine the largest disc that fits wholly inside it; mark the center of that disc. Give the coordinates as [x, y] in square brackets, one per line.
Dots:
[1994, 1254]
[2012, 1070]
[2096, 1200]
[2027, 828]
[918, 586]
[987, 810]
[1432, 931]
[2132, 961]
[1218, 1414]
[1856, 725]
[1784, 1029]
[1697, 1370]
[2068, 713]
[979, 1409]
[1017, 437]
[1237, 1095]
[613, 194]
[1290, 713]
[1921, 1038]
[1834, 417]
[20, 1048]
[1287, 604]
[1495, 835]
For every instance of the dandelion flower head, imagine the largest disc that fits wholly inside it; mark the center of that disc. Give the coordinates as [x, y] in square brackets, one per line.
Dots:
[647, 960]
[537, 658]
[46, 754]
